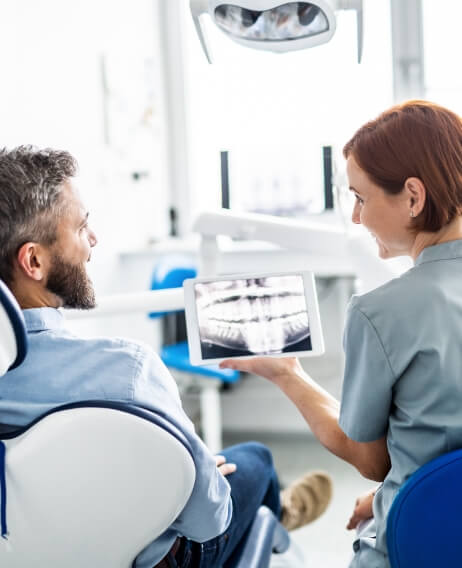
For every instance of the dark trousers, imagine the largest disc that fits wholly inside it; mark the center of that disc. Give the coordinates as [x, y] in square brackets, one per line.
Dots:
[254, 483]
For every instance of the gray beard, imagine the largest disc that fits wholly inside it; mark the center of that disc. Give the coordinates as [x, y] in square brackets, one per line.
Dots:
[71, 283]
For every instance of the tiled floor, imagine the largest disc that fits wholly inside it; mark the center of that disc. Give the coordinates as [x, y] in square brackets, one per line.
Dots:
[326, 543]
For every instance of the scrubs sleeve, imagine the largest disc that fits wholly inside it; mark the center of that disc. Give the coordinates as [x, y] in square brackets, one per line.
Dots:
[368, 380]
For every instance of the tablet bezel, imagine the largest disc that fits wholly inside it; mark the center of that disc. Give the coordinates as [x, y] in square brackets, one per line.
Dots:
[192, 323]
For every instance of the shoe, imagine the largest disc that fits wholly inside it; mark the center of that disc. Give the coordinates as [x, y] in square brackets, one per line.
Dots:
[305, 499]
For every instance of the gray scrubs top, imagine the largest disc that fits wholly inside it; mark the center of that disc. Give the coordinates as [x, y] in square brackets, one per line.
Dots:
[403, 376]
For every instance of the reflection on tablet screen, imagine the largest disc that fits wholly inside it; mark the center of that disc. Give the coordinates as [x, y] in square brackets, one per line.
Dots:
[252, 316]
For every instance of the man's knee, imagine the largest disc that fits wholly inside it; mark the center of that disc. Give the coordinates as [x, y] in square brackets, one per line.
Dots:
[259, 450]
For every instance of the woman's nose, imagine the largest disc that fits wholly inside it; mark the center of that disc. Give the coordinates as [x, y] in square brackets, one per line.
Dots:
[355, 217]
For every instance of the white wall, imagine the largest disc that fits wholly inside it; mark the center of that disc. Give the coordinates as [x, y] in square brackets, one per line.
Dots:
[86, 77]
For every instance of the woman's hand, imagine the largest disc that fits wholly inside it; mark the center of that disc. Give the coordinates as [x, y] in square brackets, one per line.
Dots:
[275, 369]
[363, 510]
[223, 467]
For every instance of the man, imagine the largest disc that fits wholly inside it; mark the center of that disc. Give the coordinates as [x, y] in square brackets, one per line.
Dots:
[45, 243]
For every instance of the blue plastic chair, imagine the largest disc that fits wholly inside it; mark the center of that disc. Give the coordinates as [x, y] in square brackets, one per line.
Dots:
[424, 525]
[170, 272]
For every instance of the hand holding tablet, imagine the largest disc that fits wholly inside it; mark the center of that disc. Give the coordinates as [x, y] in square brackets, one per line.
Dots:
[249, 315]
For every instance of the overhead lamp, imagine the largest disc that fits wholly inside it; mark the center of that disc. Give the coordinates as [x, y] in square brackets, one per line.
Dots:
[274, 25]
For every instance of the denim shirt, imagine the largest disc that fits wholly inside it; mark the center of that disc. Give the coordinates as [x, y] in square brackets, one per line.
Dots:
[403, 376]
[62, 368]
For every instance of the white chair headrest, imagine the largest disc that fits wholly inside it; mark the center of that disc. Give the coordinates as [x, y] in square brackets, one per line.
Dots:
[13, 338]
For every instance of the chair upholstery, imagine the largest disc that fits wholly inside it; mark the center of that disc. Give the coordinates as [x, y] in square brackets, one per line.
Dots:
[91, 485]
[425, 521]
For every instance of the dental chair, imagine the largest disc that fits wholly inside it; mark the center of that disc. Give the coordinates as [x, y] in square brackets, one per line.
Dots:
[425, 520]
[81, 486]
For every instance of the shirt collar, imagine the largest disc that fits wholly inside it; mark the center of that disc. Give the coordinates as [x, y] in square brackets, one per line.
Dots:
[443, 251]
[40, 319]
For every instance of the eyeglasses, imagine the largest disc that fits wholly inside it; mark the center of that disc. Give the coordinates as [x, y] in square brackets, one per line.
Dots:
[344, 198]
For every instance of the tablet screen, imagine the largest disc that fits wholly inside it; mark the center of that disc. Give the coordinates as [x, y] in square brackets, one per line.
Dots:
[252, 316]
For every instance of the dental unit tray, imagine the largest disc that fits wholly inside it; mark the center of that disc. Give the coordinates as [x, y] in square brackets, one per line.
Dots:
[247, 315]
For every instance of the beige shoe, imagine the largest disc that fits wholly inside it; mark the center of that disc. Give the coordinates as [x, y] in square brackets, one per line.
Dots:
[305, 499]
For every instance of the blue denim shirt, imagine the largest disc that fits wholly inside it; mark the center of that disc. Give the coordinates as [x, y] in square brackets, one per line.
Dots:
[61, 368]
[403, 379]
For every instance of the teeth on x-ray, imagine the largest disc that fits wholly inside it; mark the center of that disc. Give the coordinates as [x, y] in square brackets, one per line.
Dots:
[257, 315]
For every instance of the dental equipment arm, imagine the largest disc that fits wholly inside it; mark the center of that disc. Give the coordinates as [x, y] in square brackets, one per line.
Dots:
[150, 301]
[333, 243]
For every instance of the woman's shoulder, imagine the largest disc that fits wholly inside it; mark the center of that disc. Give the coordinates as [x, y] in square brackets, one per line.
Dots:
[399, 296]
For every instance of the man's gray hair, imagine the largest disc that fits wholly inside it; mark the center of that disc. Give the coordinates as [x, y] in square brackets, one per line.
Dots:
[31, 181]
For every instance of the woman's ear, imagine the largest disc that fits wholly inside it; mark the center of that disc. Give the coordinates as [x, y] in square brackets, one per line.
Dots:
[416, 193]
[32, 259]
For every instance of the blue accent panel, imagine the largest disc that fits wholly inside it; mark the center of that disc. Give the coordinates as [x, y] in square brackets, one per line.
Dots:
[171, 272]
[177, 357]
[424, 523]
[3, 527]
[8, 301]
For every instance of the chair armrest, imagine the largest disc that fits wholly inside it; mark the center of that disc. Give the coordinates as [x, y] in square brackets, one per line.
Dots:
[265, 536]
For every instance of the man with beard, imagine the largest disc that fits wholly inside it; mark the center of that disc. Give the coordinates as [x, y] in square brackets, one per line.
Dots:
[45, 243]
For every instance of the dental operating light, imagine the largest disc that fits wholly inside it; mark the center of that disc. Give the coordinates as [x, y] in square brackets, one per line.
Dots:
[274, 25]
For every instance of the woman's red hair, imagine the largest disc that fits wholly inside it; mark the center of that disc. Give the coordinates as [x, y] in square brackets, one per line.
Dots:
[415, 139]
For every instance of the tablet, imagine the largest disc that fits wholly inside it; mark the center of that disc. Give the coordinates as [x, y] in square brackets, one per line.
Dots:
[248, 315]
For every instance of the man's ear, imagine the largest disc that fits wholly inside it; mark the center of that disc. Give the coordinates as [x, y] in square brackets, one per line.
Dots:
[33, 261]
[417, 194]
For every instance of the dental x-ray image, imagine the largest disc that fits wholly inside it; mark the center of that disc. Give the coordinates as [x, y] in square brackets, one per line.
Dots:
[252, 316]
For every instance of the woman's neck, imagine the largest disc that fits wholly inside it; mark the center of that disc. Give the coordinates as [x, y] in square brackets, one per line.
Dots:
[450, 232]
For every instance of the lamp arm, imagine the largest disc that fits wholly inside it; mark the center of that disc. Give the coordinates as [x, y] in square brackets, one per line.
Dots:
[287, 233]
[198, 9]
[356, 5]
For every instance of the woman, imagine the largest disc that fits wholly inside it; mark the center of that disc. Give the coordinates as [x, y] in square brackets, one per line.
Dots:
[402, 390]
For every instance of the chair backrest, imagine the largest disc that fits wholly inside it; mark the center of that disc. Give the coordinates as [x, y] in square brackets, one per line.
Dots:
[13, 339]
[425, 521]
[92, 486]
